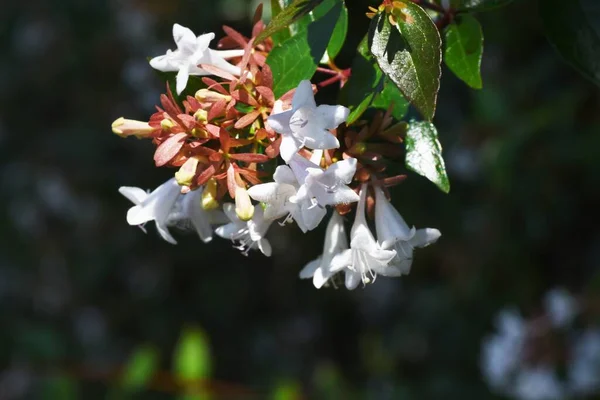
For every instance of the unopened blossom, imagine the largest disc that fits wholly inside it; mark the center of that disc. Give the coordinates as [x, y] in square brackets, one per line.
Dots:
[155, 206]
[280, 200]
[335, 242]
[247, 235]
[394, 233]
[130, 127]
[191, 52]
[305, 124]
[365, 258]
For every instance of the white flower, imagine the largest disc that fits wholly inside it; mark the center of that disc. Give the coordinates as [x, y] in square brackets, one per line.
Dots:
[191, 52]
[335, 242]
[583, 368]
[538, 383]
[324, 187]
[154, 206]
[188, 213]
[306, 124]
[501, 352]
[365, 258]
[561, 307]
[393, 232]
[249, 235]
[280, 199]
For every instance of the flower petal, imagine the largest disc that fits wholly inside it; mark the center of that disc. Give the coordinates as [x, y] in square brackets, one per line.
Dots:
[303, 96]
[164, 233]
[265, 247]
[197, 215]
[134, 194]
[284, 174]
[309, 269]
[164, 63]
[185, 39]
[352, 279]
[425, 237]
[341, 261]
[281, 122]
[203, 41]
[289, 147]
[182, 78]
[332, 116]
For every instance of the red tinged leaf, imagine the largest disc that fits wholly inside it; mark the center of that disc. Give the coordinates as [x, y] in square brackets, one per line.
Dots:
[217, 71]
[244, 97]
[393, 180]
[273, 149]
[188, 121]
[250, 176]
[217, 109]
[235, 35]
[225, 140]
[169, 149]
[267, 94]
[213, 130]
[246, 59]
[250, 157]
[257, 18]
[247, 119]
[205, 175]
[214, 85]
[266, 78]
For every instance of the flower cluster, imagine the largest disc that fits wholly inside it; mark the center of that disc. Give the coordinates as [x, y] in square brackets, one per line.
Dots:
[523, 359]
[233, 142]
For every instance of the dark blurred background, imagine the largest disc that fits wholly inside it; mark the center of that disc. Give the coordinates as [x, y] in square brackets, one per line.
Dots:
[81, 291]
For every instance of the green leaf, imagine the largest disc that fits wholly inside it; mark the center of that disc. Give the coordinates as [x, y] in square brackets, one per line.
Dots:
[287, 16]
[358, 93]
[424, 153]
[480, 5]
[297, 58]
[339, 32]
[277, 6]
[464, 47]
[573, 28]
[391, 95]
[192, 356]
[141, 367]
[409, 53]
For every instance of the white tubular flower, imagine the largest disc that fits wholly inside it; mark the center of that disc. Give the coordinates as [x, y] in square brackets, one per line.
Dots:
[154, 206]
[538, 383]
[583, 368]
[191, 52]
[248, 235]
[335, 242]
[365, 258]
[188, 210]
[393, 232]
[306, 124]
[561, 307]
[324, 187]
[501, 352]
[280, 200]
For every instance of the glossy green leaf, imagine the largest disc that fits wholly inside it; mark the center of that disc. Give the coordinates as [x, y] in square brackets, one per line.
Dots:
[297, 58]
[464, 48]
[391, 95]
[573, 28]
[358, 93]
[141, 367]
[287, 16]
[339, 32]
[480, 5]
[424, 153]
[192, 356]
[409, 53]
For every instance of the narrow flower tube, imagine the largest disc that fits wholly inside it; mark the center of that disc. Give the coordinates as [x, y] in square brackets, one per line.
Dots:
[130, 127]
[394, 233]
[335, 242]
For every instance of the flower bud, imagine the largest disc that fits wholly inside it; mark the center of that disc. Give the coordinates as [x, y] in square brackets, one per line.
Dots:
[130, 127]
[243, 205]
[209, 195]
[187, 172]
[166, 124]
[210, 96]
[201, 115]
